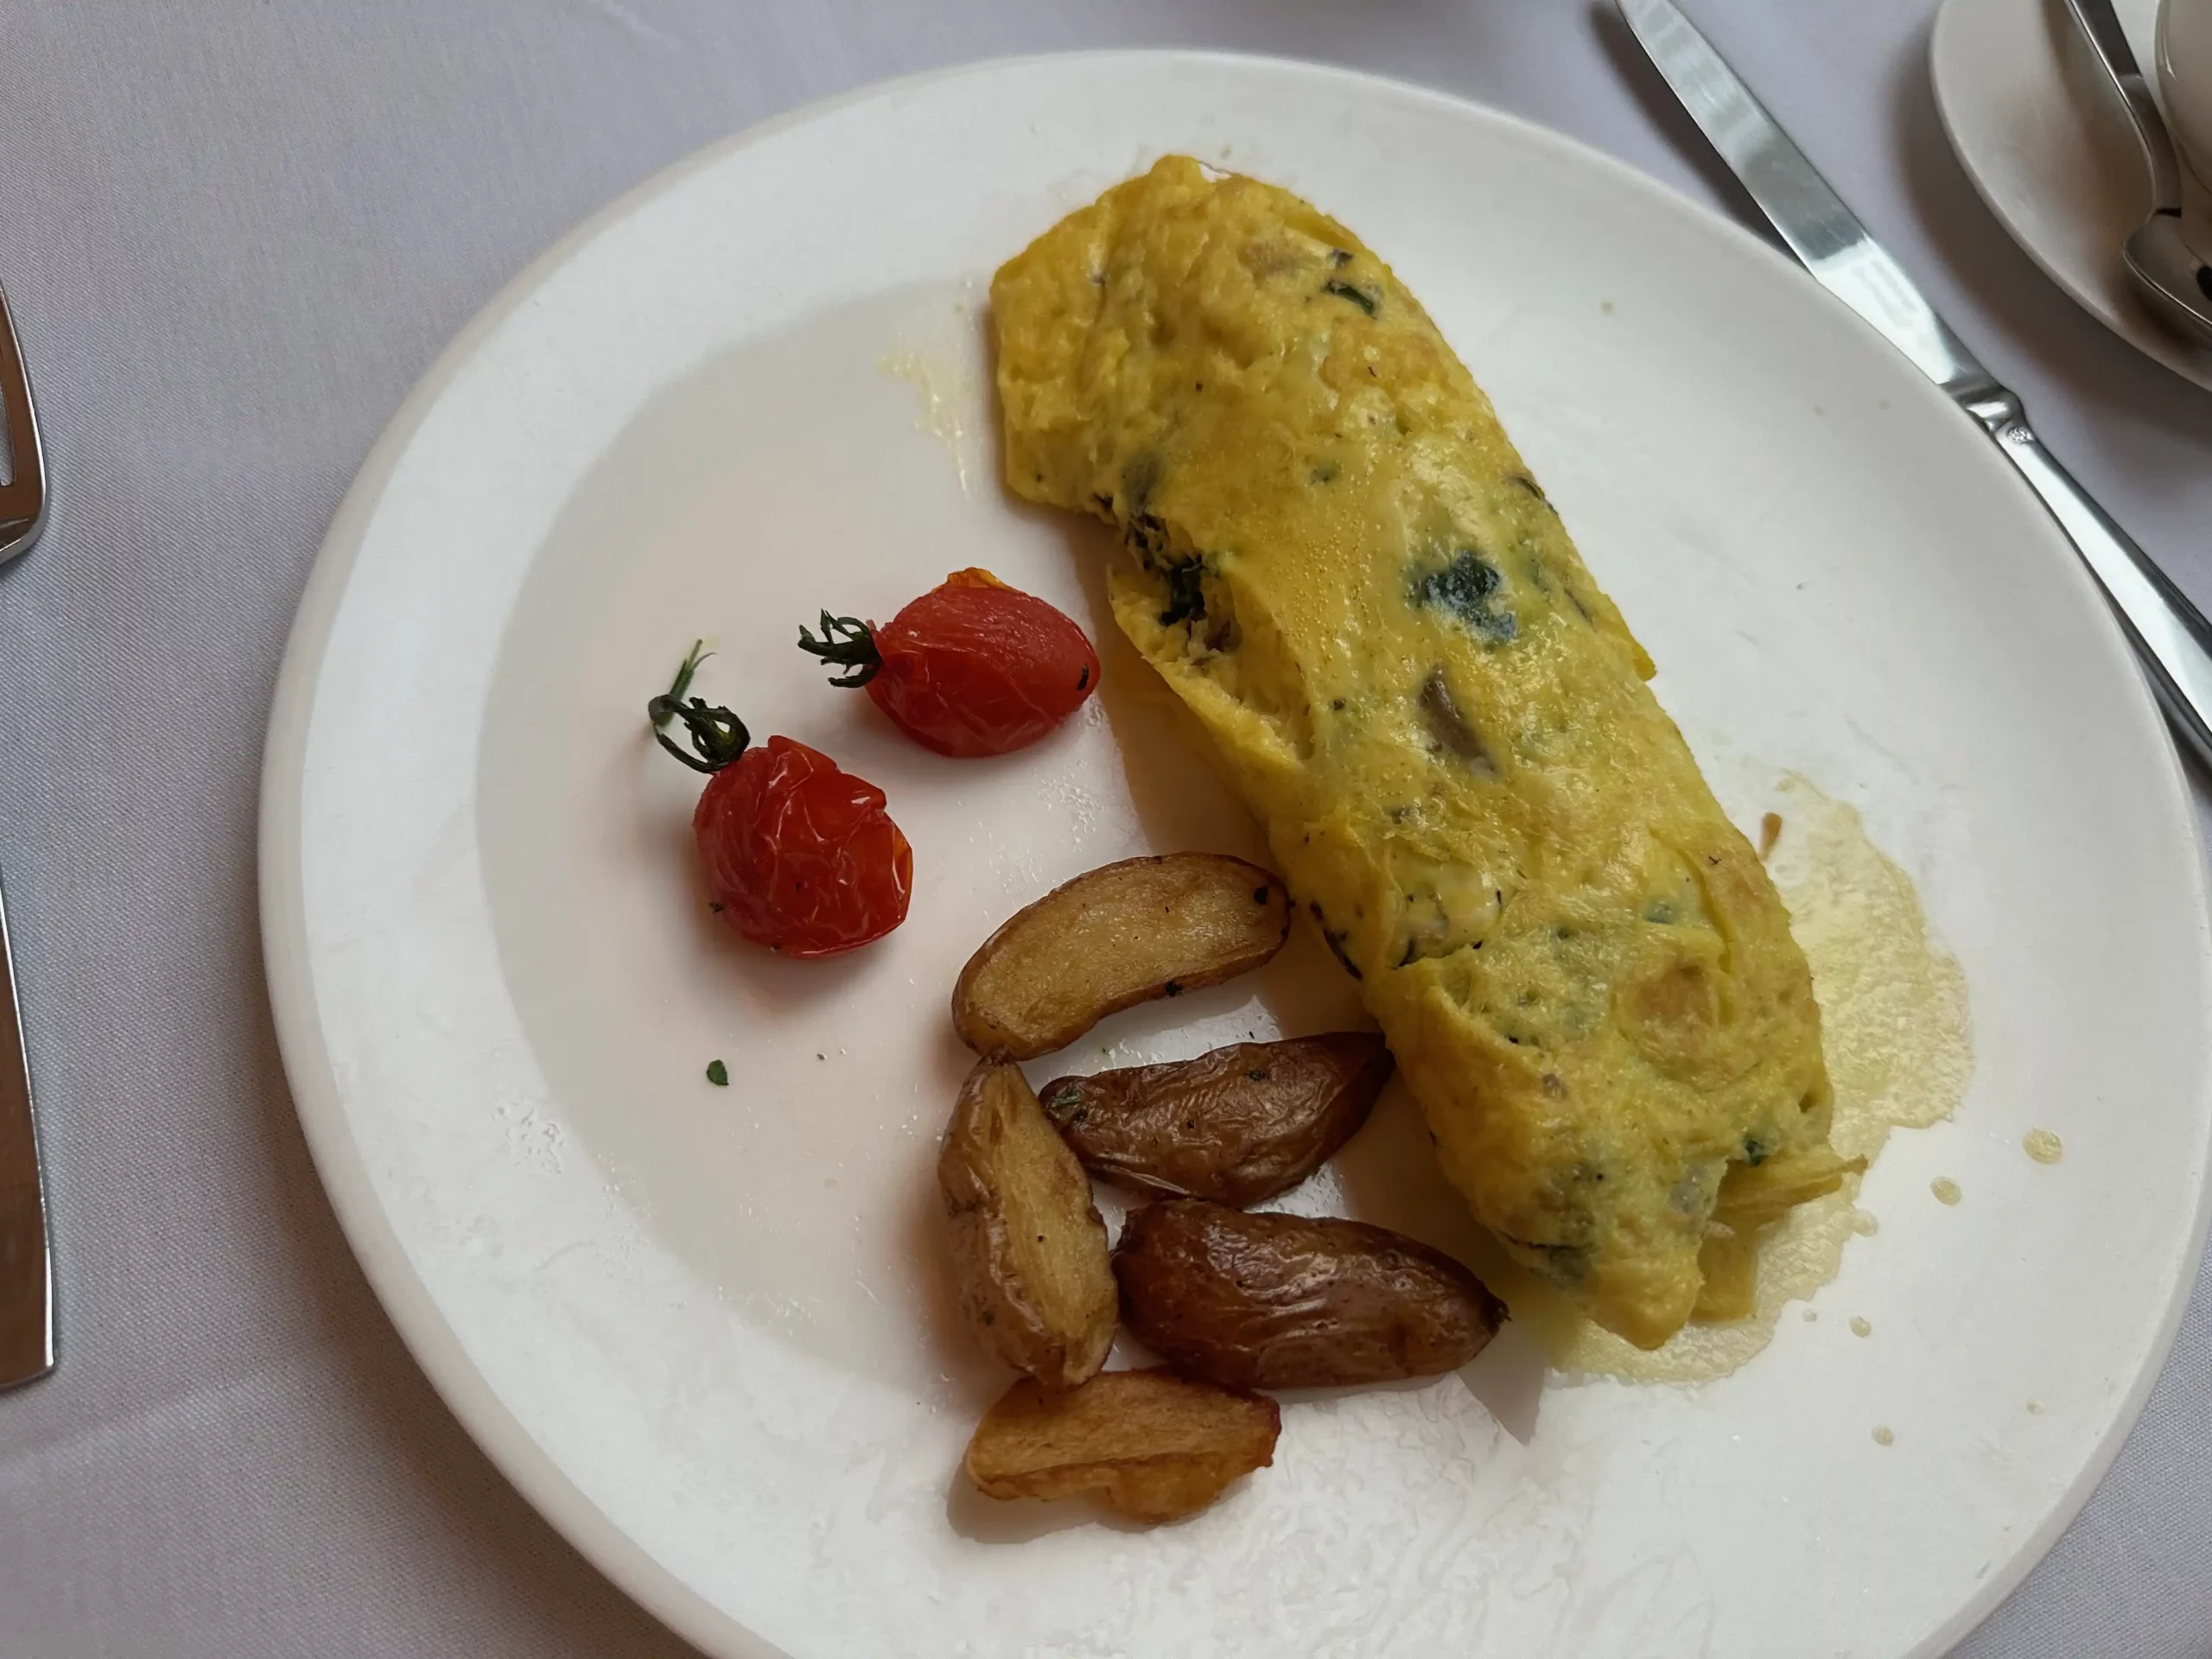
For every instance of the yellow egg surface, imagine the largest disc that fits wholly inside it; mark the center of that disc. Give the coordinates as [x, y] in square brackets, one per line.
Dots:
[1338, 561]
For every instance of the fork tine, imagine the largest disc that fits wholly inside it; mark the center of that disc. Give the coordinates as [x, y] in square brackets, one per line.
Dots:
[22, 498]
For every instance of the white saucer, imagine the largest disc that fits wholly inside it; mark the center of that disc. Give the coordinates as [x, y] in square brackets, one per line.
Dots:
[2051, 156]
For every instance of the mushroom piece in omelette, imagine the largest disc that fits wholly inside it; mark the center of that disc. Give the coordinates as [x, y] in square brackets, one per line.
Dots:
[1336, 560]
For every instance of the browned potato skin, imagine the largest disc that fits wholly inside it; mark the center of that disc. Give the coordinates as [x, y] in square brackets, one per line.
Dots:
[1269, 1301]
[1238, 1125]
[1027, 1242]
[1155, 1444]
[1113, 937]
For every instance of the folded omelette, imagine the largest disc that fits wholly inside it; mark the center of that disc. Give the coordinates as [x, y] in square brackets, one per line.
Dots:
[1338, 561]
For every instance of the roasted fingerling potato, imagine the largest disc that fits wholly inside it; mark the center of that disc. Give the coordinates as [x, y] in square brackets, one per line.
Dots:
[1238, 1125]
[1154, 1445]
[1120, 935]
[1274, 1301]
[1029, 1245]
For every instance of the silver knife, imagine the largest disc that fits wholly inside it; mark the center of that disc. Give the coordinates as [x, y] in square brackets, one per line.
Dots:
[26, 1272]
[26, 1264]
[2171, 637]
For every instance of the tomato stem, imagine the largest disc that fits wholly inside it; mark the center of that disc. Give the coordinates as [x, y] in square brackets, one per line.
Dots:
[847, 643]
[718, 735]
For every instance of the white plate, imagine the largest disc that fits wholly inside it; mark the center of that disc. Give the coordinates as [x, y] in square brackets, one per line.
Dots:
[704, 1329]
[2053, 161]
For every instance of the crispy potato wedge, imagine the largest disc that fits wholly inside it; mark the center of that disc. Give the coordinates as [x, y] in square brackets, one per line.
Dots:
[1120, 935]
[1272, 1301]
[1028, 1243]
[1155, 1444]
[1238, 1125]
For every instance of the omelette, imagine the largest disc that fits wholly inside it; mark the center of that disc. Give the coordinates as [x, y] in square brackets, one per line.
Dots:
[1334, 556]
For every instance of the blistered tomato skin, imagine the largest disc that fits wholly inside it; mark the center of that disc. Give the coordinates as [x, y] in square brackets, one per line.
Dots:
[971, 668]
[976, 670]
[800, 855]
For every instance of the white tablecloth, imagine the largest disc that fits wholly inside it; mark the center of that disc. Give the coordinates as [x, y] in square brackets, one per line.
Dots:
[235, 232]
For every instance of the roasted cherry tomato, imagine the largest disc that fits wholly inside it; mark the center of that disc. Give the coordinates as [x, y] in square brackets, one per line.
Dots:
[798, 856]
[973, 667]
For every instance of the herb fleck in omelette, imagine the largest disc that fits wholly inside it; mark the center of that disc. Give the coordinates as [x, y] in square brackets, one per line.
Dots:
[1338, 561]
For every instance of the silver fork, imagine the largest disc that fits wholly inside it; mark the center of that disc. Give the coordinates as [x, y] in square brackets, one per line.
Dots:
[25, 1260]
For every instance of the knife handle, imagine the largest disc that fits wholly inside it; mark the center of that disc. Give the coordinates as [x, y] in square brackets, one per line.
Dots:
[2171, 638]
[26, 1265]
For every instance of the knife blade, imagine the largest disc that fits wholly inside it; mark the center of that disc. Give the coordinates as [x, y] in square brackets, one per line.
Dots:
[2171, 637]
[26, 1267]
[26, 1255]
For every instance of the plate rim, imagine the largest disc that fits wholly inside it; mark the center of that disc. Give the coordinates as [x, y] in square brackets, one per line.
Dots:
[406, 1300]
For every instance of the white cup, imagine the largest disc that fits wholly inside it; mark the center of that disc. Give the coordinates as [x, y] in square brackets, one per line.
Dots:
[2185, 79]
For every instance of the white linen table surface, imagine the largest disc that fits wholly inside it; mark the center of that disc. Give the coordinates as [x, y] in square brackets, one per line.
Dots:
[234, 232]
